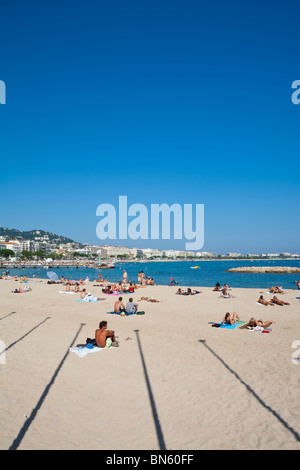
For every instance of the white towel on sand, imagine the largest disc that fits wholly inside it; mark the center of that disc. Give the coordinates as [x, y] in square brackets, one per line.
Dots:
[82, 351]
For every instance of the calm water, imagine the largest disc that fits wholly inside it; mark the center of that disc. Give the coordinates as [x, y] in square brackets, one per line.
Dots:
[209, 273]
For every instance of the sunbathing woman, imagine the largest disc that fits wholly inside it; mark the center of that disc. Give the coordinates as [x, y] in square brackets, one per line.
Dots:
[252, 323]
[278, 302]
[193, 292]
[230, 318]
[276, 290]
[149, 299]
[262, 301]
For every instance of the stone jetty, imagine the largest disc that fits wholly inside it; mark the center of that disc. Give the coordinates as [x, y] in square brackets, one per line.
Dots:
[264, 269]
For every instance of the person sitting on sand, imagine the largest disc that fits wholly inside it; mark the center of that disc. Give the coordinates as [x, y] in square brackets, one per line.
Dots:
[105, 338]
[262, 301]
[225, 293]
[83, 293]
[131, 287]
[230, 318]
[68, 287]
[252, 323]
[131, 307]
[217, 287]
[119, 306]
[275, 300]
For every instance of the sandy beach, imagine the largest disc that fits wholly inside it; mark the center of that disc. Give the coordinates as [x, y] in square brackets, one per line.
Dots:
[175, 382]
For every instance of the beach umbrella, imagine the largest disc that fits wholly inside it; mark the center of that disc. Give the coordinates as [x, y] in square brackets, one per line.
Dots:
[52, 275]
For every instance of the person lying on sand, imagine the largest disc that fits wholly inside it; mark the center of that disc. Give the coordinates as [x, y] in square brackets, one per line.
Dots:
[149, 299]
[119, 306]
[20, 291]
[252, 323]
[262, 301]
[276, 290]
[192, 292]
[230, 318]
[105, 338]
[88, 297]
[278, 302]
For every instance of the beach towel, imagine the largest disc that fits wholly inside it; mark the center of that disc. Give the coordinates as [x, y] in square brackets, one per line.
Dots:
[119, 313]
[260, 329]
[82, 351]
[65, 292]
[231, 327]
[87, 301]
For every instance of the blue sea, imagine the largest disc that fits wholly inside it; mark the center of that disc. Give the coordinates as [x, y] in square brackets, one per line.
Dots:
[207, 275]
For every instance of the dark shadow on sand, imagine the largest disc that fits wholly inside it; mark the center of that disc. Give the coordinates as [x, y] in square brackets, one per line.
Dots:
[8, 315]
[257, 397]
[34, 412]
[159, 433]
[24, 336]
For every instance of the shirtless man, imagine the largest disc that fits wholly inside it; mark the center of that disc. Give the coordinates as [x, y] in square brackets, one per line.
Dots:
[278, 302]
[104, 337]
[298, 284]
[119, 306]
[83, 293]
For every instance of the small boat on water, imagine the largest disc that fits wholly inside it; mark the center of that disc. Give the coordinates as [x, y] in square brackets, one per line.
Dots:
[107, 266]
[194, 267]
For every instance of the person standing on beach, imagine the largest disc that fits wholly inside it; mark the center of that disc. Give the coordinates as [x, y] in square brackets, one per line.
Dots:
[125, 276]
[105, 338]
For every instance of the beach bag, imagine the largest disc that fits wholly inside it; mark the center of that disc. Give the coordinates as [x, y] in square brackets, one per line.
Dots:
[91, 341]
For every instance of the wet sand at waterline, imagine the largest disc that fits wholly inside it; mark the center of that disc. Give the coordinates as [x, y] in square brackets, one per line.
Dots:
[174, 382]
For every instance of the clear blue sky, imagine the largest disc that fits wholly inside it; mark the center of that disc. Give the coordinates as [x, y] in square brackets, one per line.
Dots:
[162, 101]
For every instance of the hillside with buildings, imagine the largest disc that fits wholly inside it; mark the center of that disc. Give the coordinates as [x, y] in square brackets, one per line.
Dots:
[52, 245]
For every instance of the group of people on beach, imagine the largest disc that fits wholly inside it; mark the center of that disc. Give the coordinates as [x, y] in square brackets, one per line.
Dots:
[273, 301]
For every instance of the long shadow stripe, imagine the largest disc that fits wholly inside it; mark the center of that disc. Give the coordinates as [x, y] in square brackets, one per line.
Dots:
[151, 398]
[267, 407]
[8, 315]
[34, 412]
[24, 336]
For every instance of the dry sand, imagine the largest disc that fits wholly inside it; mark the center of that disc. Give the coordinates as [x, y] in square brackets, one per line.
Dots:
[177, 384]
